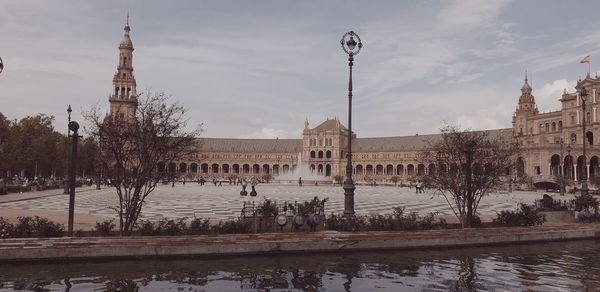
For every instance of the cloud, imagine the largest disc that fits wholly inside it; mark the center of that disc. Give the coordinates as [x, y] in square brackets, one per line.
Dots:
[547, 95]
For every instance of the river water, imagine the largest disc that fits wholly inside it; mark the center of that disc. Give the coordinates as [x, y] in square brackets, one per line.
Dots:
[561, 266]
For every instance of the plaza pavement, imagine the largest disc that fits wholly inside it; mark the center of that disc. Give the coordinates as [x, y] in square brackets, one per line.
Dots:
[218, 203]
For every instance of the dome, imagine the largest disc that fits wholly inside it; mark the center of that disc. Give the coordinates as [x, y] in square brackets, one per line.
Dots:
[126, 41]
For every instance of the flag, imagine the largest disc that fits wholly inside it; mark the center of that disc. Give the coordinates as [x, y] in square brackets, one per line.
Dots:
[585, 59]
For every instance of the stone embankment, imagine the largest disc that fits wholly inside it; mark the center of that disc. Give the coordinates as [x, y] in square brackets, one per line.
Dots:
[89, 248]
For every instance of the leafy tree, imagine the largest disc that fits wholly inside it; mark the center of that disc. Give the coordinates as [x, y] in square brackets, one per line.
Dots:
[132, 150]
[471, 164]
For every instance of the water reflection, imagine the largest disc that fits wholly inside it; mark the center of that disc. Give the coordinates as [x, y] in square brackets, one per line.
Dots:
[539, 267]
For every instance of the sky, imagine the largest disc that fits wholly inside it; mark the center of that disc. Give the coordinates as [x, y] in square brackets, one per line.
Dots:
[258, 69]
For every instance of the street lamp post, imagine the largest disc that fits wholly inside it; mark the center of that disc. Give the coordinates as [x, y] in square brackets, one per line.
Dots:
[570, 161]
[1, 65]
[73, 127]
[562, 171]
[352, 48]
[584, 187]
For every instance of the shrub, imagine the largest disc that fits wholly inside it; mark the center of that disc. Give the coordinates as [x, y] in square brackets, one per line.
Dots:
[398, 220]
[233, 227]
[163, 227]
[6, 228]
[526, 216]
[199, 227]
[586, 202]
[37, 227]
[340, 223]
[313, 206]
[104, 228]
[267, 208]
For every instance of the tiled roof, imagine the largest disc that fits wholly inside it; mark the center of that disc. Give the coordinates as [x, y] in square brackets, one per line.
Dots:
[250, 145]
[329, 125]
[405, 143]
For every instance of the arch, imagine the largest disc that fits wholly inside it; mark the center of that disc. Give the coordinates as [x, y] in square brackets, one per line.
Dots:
[590, 137]
[359, 169]
[431, 169]
[328, 154]
[328, 170]
[593, 166]
[555, 165]
[255, 169]
[275, 169]
[286, 168]
[204, 168]
[443, 169]
[560, 125]
[547, 127]
[236, 168]
[521, 167]
[581, 167]
[225, 168]
[214, 168]
[320, 169]
[369, 169]
[379, 169]
[313, 154]
[117, 91]
[320, 154]
[266, 169]
[194, 167]
[573, 138]
[400, 170]
[172, 167]
[246, 169]
[312, 168]
[410, 170]
[553, 126]
[420, 170]
[160, 167]
[389, 170]
[568, 167]
[453, 170]
[122, 91]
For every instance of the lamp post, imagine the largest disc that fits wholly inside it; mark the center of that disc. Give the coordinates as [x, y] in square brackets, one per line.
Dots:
[352, 48]
[73, 127]
[562, 171]
[569, 148]
[584, 187]
[1, 65]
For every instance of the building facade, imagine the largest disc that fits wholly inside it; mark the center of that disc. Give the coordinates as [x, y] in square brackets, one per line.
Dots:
[322, 148]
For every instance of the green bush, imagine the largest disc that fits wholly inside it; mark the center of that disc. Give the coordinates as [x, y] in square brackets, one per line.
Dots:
[233, 227]
[586, 202]
[6, 228]
[396, 221]
[37, 227]
[199, 227]
[104, 228]
[163, 227]
[267, 208]
[526, 216]
[313, 206]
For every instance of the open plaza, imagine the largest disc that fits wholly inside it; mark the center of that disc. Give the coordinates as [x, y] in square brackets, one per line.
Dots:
[224, 202]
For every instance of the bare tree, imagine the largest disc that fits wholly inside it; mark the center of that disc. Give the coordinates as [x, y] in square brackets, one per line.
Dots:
[135, 151]
[470, 165]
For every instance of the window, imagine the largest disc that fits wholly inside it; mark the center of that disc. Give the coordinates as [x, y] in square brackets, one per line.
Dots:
[560, 125]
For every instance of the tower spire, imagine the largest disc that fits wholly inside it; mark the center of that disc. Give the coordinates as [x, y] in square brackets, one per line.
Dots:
[123, 100]
[127, 17]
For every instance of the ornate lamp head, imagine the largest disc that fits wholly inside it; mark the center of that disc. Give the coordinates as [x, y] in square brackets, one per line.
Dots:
[349, 44]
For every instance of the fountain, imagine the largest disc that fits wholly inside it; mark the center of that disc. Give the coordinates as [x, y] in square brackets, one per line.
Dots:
[309, 177]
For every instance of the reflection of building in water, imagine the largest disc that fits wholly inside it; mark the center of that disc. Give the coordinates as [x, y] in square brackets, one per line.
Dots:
[322, 148]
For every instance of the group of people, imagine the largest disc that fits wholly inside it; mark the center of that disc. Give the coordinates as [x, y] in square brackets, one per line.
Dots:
[419, 187]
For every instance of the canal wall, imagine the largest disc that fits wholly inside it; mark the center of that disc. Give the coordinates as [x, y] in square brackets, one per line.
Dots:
[92, 248]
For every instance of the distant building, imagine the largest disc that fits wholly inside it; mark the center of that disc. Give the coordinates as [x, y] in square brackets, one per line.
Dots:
[322, 148]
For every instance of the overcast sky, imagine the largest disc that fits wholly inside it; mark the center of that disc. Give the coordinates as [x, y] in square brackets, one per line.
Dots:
[259, 68]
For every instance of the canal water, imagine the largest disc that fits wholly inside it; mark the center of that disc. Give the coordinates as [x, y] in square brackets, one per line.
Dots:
[561, 266]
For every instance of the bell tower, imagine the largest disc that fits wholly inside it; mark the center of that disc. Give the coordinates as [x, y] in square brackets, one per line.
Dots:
[123, 100]
[525, 109]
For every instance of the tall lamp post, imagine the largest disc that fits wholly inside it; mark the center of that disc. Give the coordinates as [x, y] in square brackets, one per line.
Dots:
[73, 127]
[352, 48]
[584, 187]
[562, 171]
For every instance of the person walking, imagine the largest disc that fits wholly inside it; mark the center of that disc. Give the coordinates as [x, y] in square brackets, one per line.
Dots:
[253, 183]
[300, 181]
[2, 187]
